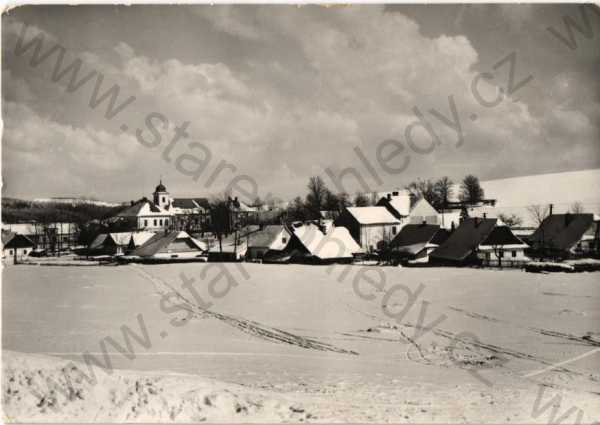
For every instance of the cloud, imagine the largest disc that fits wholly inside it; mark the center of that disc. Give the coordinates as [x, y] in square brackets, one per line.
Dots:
[283, 91]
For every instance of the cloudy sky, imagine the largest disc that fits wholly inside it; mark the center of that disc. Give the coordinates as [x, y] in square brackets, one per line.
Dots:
[283, 92]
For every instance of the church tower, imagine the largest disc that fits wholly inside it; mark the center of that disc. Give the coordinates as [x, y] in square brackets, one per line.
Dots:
[161, 196]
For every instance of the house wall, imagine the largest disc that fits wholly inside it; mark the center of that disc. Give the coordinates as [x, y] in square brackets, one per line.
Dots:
[9, 253]
[148, 222]
[511, 257]
[372, 234]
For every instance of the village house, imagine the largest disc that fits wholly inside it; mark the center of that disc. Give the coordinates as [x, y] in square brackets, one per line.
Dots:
[270, 241]
[409, 209]
[567, 235]
[118, 243]
[369, 225]
[415, 242]
[15, 247]
[308, 244]
[170, 246]
[485, 241]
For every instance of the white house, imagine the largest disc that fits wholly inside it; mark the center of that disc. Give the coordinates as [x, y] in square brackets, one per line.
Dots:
[369, 225]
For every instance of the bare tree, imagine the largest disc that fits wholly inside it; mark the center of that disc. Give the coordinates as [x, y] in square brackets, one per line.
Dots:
[576, 208]
[443, 189]
[538, 213]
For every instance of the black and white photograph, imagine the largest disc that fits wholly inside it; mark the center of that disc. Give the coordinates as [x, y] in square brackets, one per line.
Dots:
[301, 213]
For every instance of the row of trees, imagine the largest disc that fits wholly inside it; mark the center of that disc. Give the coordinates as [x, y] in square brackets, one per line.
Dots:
[439, 192]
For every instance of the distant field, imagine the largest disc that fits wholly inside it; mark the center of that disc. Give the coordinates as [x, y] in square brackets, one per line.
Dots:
[306, 332]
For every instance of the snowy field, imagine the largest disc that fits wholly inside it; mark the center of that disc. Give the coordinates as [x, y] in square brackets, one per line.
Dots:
[251, 342]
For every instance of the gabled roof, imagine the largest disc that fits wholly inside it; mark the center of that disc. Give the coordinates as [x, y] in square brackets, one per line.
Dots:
[401, 203]
[562, 231]
[143, 208]
[15, 240]
[414, 237]
[338, 243]
[372, 215]
[161, 241]
[266, 236]
[465, 239]
[140, 238]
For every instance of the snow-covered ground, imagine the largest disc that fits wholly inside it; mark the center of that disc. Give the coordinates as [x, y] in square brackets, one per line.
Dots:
[301, 343]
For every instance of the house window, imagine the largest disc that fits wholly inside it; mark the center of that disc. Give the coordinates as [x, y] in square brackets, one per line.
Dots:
[154, 222]
[10, 252]
[145, 223]
[514, 254]
[283, 239]
[166, 221]
[487, 256]
[160, 222]
[163, 199]
[393, 230]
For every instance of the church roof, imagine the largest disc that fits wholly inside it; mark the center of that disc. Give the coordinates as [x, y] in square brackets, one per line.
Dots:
[161, 187]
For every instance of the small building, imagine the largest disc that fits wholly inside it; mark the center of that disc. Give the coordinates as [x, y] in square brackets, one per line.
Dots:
[369, 225]
[52, 238]
[308, 244]
[15, 247]
[566, 235]
[169, 247]
[267, 242]
[415, 242]
[484, 241]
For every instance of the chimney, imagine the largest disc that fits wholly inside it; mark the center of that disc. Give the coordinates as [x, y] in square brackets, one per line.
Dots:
[484, 215]
[568, 218]
[551, 207]
[424, 222]
[395, 193]
[235, 199]
[389, 196]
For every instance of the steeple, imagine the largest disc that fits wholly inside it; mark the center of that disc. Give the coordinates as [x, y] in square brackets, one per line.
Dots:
[161, 196]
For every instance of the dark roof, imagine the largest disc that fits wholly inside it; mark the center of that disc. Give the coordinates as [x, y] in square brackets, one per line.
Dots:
[203, 202]
[15, 240]
[185, 203]
[160, 188]
[159, 242]
[465, 239]
[562, 231]
[414, 237]
[415, 233]
[134, 209]
[265, 237]
[502, 235]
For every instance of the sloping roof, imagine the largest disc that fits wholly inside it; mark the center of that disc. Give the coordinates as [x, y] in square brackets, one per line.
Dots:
[338, 243]
[502, 235]
[265, 237]
[422, 207]
[203, 202]
[15, 240]
[400, 203]
[465, 239]
[185, 203]
[98, 241]
[140, 238]
[372, 215]
[161, 241]
[562, 231]
[142, 208]
[414, 234]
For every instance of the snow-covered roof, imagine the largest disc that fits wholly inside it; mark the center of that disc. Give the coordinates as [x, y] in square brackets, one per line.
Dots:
[372, 215]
